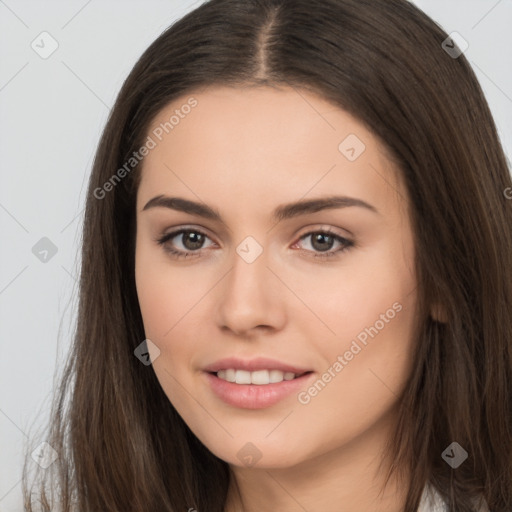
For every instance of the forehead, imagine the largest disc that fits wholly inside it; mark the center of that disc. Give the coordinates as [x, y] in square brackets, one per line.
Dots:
[262, 142]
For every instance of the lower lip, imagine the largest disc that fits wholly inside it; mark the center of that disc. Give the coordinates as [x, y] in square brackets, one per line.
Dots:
[254, 396]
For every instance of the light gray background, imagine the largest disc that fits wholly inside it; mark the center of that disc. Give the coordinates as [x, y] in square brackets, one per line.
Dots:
[52, 113]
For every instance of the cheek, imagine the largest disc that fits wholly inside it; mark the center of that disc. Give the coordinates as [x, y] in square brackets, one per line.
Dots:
[162, 309]
[366, 368]
[366, 289]
[369, 306]
[164, 292]
[169, 302]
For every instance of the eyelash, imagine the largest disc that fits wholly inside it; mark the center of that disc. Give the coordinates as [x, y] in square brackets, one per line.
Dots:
[346, 243]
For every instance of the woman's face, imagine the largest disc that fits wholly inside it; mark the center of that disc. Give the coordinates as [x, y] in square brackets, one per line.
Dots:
[272, 277]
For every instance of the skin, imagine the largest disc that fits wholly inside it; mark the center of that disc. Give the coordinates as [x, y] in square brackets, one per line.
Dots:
[244, 152]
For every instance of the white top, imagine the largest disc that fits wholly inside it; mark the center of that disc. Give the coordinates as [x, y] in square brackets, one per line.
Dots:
[431, 501]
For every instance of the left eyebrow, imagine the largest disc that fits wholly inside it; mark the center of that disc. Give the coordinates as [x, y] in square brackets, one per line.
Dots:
[282, 212]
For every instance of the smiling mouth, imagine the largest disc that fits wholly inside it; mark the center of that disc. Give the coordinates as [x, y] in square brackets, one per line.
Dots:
[258, 377]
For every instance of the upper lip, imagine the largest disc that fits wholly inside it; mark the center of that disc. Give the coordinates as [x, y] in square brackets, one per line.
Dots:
[251, 365]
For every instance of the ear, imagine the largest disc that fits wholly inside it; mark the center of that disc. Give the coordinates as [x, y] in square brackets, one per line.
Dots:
[438, 313]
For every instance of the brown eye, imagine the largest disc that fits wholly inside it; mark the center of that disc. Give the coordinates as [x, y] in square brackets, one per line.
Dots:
[323, 241]
[191, 241]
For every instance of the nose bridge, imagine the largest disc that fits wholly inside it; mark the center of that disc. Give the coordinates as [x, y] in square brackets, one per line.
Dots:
[249, 297]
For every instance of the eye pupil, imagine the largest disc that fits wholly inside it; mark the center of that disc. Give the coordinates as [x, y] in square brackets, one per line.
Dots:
[322, 237]
[196, 240]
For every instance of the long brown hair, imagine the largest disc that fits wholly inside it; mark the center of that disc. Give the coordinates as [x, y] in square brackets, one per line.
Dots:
[121, 444]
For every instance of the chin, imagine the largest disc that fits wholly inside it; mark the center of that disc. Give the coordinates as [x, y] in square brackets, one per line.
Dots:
[260, 452]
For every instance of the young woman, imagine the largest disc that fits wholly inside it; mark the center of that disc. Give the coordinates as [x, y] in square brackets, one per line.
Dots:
[296, 275]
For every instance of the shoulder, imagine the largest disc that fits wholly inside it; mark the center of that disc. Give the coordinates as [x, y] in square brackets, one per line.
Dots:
[431, 501]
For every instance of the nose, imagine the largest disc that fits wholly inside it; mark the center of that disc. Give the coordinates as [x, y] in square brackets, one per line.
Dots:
[251, 298]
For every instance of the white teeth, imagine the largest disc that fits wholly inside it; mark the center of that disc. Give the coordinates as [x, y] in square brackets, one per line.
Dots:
[230, 375]
[259, 377]
[275, 376]
[242, 377]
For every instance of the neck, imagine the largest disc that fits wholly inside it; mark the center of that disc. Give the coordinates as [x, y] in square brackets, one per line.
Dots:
[341, 480]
